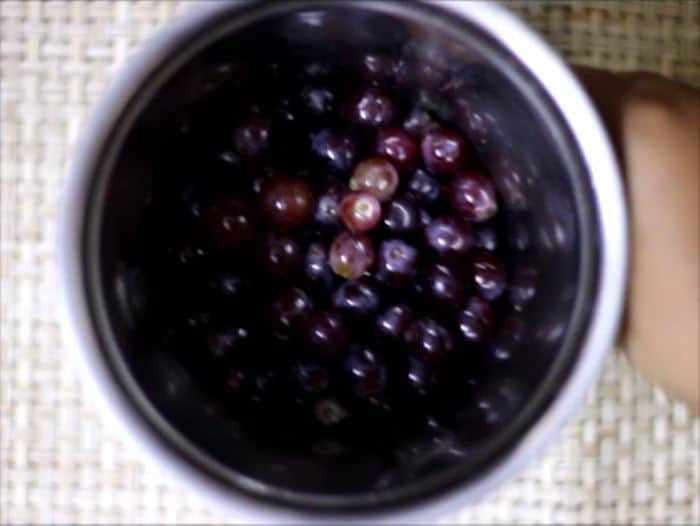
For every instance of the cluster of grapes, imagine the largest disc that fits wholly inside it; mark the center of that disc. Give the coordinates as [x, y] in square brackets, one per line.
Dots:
[364, 283]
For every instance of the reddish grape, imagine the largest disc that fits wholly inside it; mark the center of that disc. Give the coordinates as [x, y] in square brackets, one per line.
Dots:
[230, 223]
[376, 176]
[360, 211]
[351, 255]
[285, 202]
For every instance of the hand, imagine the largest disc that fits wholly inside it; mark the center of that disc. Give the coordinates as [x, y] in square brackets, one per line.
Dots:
[655, 126]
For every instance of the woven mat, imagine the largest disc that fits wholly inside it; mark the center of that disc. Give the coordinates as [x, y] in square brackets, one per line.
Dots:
[630, 456]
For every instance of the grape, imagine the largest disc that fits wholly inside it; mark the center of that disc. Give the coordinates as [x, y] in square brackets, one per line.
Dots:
[444, 151]
[440, 283]
[488, 275]
[365, 372]
[398, 147]
[428, 339]
[326, 333]
[476, 320]
[396, 262]
[375, 176]
[289, 307]
[360, 211]
[358, 298]
[351, 255]
[279, 255]
[230, 223]
[371, 107]
[400, 215]
[285, 202]
[393, 322]
[472, 195]
[336, 148]
[447, 234]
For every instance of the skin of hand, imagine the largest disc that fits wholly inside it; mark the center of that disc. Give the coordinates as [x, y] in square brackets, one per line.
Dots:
[654, 124]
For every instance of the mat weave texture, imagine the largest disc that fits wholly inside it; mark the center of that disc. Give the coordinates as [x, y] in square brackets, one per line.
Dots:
[629, 456]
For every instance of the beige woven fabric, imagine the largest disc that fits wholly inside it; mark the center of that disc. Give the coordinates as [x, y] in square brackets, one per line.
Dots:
[630, 456]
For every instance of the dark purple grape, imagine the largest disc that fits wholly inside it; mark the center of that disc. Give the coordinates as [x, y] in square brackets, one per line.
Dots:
[419, 122]
[365, 372]
[375, 176]
[472, 195]
[511, 338]
[251, 137]
[230, 223]
[357, 298]
[523, 285]
[396, 262]
[428, 339]
[360, 211]
[285, 202]
[419, 379]
[485, 237]
[448, 235]
[197, 319]
[230, 341]
[351, 255]
[509, 178]
[424, 186]
[431, 65]
[288, 309]
[326, 333]
[398, 147]
[393, 322]
[311, 377]
[444, 151]
[377, 68]
[265, 386]
[317, 69]
[476, 320]
[336, 148]
[488, 275]
[229, 288]
[235, 383]
[318, 101]
[424, 218]
[260, 178]
[440, 283]
[328, 204]
[279, 255]
[188, 255]
[493, 405]
[400, 215]
[371, 107]
[316, 266]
